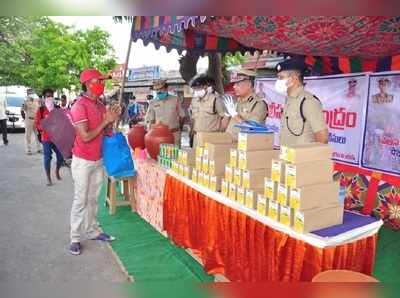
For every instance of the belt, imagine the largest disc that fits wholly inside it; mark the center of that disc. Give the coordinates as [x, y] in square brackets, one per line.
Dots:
[31, 118]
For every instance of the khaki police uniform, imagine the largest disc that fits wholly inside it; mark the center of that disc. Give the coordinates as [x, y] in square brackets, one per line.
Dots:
[168, 111]
[29, 107]
[207, 113]
[292, 123]
[253, 108]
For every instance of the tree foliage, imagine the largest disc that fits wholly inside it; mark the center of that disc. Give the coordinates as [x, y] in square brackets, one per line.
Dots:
[39, 53]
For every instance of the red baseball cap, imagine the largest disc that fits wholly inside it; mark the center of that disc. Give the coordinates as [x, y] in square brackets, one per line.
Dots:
[92, 73]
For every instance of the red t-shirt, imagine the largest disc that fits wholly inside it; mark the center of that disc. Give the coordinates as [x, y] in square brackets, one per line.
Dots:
[41, 113]
[92, 112]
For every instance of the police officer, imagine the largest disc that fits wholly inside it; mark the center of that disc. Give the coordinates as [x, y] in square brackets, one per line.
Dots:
[207, 107]
[28, 111]
[249, 105]
[302, 119]
[166, 109]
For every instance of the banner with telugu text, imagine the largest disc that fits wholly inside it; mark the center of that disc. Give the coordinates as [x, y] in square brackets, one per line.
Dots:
[343, 100]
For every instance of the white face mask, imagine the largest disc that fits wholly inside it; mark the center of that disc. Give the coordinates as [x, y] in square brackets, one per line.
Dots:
[199, 93]
[281, 86]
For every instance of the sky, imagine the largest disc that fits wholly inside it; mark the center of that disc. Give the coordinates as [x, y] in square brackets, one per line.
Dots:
[140, 55]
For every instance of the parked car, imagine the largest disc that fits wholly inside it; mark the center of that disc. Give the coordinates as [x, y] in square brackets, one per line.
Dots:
[15, 120]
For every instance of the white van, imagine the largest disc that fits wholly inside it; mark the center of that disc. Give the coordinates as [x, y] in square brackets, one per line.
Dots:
[14, 104]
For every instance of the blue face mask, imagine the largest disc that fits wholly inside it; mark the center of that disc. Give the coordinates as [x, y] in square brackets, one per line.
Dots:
[162, 95]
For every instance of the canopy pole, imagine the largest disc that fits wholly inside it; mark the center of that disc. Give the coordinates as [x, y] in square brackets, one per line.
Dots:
[126, 66]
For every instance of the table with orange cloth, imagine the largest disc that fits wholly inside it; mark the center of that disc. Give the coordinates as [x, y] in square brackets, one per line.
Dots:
[150, 192]
[242, 245]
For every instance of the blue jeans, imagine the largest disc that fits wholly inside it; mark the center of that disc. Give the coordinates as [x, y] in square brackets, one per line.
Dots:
[48, 147]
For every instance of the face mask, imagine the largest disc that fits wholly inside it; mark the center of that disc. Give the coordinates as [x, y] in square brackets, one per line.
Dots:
[162, 95]
[97, 88]
[281, 86]
[199, 93]
[49, 103]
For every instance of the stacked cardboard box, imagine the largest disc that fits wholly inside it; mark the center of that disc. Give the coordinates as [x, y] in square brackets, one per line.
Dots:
[246, 168]
[211, 156]
[184, 163]
[301, 192]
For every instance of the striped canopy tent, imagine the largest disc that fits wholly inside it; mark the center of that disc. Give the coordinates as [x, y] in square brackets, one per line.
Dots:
[330, 45]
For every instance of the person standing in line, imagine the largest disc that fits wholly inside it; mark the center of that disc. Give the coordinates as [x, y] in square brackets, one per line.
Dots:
[91, 120]
[48, 146]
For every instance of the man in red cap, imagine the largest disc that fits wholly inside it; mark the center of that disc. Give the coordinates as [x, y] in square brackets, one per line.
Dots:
[91, 120]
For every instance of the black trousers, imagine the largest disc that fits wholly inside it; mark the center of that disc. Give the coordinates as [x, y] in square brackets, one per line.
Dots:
[3, 130]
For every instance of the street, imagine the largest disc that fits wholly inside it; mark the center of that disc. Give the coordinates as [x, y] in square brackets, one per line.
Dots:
[34, 225]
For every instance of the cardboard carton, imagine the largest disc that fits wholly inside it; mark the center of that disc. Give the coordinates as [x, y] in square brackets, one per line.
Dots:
[218, 151]
[278, 170]
[224, 188]
[213, 138]
[255, 160]
[240, 195]
[273, 210]
[199, 151]
[199, 163]
[229, 173]
[306, 152]
[232, 191]
[206, 180]
[200, 177]
[187, 157]
[270, 189]
[308, 173]
[175, 167]
[204, 165]
[249, 201]
[248, 142]
[194, 175]
[186, 171]
[215, 183]
[283, 194]
[233, 158]
[237, 177]
[262, 205]
[314, 196]
[310, 220]
[217, 166]
[181, 169]
[286, 216]
[254, 178]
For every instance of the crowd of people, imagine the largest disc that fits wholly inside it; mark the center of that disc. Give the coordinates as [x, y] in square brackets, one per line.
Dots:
[302, 122]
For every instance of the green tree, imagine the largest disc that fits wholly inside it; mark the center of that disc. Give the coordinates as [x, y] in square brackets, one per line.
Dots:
[40, 53]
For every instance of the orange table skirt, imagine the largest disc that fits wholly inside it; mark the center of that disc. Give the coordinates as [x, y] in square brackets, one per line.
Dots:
[243, 249]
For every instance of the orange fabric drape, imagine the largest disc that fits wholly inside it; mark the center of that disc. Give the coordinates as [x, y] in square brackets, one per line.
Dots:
[243, 249]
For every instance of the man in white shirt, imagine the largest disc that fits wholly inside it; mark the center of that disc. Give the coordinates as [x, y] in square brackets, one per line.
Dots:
[3, 118]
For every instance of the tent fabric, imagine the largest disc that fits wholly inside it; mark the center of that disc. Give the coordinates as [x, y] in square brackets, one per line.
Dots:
[341, 65]
[367, 37]
[144, 27]
[329, 44]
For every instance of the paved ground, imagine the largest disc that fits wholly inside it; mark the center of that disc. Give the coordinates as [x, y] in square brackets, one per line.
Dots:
[34, 225]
